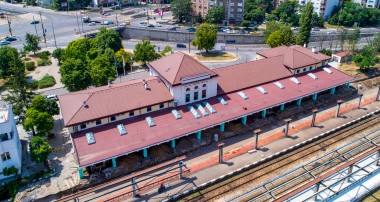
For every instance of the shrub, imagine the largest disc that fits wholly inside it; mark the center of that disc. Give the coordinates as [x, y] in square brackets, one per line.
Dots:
[46, 81]
[44, 55]
[236, 28]
[46, 52]
[33, 85]
[376, 60]
[255, 28]
[30, 66]
[44, 62]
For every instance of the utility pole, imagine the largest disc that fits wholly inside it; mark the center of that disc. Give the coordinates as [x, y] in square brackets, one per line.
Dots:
[76, 12]
[117, 23]
[81, 20]
[189, 40]
[55, 41]
[35, 26]
[43, 30]
[9, 25]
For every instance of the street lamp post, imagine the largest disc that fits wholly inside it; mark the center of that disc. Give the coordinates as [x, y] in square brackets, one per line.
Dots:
[55, 41]
[35, 26]
[43, 30]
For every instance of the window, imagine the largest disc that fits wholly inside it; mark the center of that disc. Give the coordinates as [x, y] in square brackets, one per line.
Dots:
[132, 113]
[195, 95]
[187, 89]
[148, 109]
[83, 126]
[99, 121]
[220, 3]
[232, 4]
[204, 85]
[239, 10]
[311, 68]
[304, 69]
[113, 118]
[187, 99]
[162, 105]
[240, 4]
[239, 16]
[204, 94]
[5, 156]
[196, 87]
[298, 71]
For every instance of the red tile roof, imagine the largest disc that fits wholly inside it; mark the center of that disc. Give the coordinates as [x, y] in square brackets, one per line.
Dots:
[343, 54]
[179, 65]
[139, 135]
[245, 75]
[106, 101]
[295, 56]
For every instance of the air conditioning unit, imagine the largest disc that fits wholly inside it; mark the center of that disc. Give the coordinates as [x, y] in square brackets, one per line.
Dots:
[175, 103]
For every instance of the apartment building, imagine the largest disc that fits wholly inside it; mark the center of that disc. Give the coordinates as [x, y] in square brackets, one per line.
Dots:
[10, 145]
[233, 9]
[321, 7]
[368, 3]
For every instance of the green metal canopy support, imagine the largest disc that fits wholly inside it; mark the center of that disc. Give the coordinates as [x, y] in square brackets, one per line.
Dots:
[264, 113]
[199, 135]
[145, 152]
[114, 162]
[282, 106]
[299, 101]
[80, 172]
[222, 127]
[315, 96]
[332, 91]
[173, 143]
[348, 85]
[244, 120]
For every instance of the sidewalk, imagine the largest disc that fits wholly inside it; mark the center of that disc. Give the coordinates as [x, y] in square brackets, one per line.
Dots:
[204, 164]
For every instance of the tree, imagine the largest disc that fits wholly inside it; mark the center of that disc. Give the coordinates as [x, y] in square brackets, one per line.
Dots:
[42, 104]
[317, 21]
[101, 71]
[120, 54]
[10, 171]
[215, 15]
[375, 42]
[9, 57]
[42, 121]
[167, 51]
[342, 37]
[326, 52]
[181, 9]
[77, 49]
[205, 37]
[39, 149]
[283, 36]
[74, 75]
[31, 43]
[144, 52]
[287, 12]
[257, 15]
[245, 24]
[107, 38]
[57, 54]
[350, 13]
[285, 30]
[353, 39]
[199, 18]
[305, 25]
[365, 59]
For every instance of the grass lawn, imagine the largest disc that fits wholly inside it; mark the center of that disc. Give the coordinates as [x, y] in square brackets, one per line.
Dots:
[328, 26]
[350, 69]
[373, 197]
[216, 56]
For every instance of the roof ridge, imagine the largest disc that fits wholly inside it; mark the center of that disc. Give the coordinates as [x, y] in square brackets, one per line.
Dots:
[305, 54]
[176, 74]
[249, 62]
[92, 93]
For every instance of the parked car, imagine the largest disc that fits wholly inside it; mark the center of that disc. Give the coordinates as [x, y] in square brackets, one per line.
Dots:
[127, 22]
[52, 97]
[92, 24]
[157, 25]
[105, 23]
[312, 33]
[123, 24]
[148, 17]
[295, 28]
[110, 22]
[95, 21]
[143, 26]
[151, 25]
[10, 38]
[143, 23]
[241, 32]
[331, 32]
[4, 43]
[181, 45]
[171, 28]
[191, 29]
[35, 22]
[106, 14]
[316, 29]
[254, 33]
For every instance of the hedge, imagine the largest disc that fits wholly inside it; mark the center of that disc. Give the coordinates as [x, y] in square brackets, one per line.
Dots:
[46, 81]
[30, 66]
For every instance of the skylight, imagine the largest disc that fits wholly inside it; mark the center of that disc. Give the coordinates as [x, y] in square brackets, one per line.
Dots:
[295, 80]
[312, 76]
[90, 138]
[203, 111]
[221, 100]
[150, 121]
[327, 70]
[242, 94]
[278, 84]
[121, 129]
[209, 107]
[176, 114]
[262, 90]
[194, 112]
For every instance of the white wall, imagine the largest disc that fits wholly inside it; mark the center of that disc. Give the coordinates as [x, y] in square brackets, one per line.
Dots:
[12, 146]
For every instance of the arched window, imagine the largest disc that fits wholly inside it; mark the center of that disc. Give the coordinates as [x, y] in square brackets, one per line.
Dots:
[204, 85]
[187, 89]
[196, 87]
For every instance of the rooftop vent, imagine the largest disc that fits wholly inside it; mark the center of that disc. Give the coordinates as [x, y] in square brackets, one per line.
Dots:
[176, 114]
[262, 90]
[209, 107]
[242, 94]
[278, 84]
[314, 49]
[145, 85]
[90, 138]
[121, 129]
[194, 112]
[85, 105]
[221, 100]
[312, 76]
[327, 70]
[295, 80]
[150, 121]
[203, 111]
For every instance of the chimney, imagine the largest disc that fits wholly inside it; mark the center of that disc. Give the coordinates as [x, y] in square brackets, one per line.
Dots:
[304, 45]
[145, 84]
[85, 105]
[313, 49]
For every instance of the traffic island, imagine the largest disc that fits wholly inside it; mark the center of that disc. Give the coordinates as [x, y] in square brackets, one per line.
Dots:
[216, 56]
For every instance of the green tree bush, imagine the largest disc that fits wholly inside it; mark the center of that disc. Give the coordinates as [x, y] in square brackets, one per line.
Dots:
[107, 38]
[75, 75]
[31, 43]
[101, 71]
[365, 59]
[57, 54]
[145, 52]
[305, 25]
[39, 149]
[42, 104]
[205, 37]
[42, 121]
[181, 10]
[30, 66]
[215, 15]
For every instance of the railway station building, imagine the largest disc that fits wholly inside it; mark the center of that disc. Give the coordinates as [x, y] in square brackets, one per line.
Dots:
[182, 98]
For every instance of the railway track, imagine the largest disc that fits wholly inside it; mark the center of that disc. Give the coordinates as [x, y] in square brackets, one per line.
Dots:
[261, 173]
